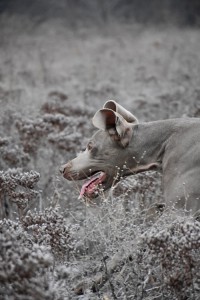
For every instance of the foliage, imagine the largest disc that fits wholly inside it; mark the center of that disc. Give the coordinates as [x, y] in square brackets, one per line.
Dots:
[31, 254]
[24, 265]
[16, 187]
[175, 250]
[49, 228]
[128, 256]
[12, 154]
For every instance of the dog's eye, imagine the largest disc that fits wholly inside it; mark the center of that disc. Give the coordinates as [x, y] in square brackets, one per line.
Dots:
[89, 146]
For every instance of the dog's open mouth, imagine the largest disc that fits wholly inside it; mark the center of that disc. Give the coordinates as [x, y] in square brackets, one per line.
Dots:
[91, 185]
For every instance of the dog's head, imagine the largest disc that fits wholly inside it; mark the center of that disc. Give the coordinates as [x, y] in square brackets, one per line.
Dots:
[106, 157]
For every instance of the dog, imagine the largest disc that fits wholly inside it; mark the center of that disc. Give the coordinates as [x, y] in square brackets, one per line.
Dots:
[122, 147]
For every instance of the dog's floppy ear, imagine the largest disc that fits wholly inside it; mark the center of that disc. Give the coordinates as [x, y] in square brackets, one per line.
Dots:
[127, 115]
[112, 122]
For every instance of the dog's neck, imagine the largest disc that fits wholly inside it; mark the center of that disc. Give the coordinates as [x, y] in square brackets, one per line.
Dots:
[148, 143]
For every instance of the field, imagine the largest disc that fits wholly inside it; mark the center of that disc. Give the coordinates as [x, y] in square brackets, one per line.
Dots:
[53, 78]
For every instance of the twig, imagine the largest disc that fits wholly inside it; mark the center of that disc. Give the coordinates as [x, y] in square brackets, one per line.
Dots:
[110, 282]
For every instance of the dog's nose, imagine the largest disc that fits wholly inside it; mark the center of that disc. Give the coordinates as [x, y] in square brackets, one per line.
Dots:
[62, 169]
[65, 170]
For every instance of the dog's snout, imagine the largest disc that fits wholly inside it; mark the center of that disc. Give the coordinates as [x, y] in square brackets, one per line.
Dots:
[65, 169]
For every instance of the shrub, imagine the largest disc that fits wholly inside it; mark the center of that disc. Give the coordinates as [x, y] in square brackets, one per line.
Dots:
[23, 265]
[49, 228]
[17, 187]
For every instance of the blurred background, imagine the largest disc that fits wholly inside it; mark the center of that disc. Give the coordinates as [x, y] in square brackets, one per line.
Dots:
[181, 12]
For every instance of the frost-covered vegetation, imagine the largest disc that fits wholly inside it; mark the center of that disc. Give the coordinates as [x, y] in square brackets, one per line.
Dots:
[123, 245]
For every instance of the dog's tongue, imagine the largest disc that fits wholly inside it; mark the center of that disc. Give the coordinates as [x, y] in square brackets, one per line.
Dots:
[91, 185]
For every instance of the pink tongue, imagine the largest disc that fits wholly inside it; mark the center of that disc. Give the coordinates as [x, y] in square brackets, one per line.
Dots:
[90, 186]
